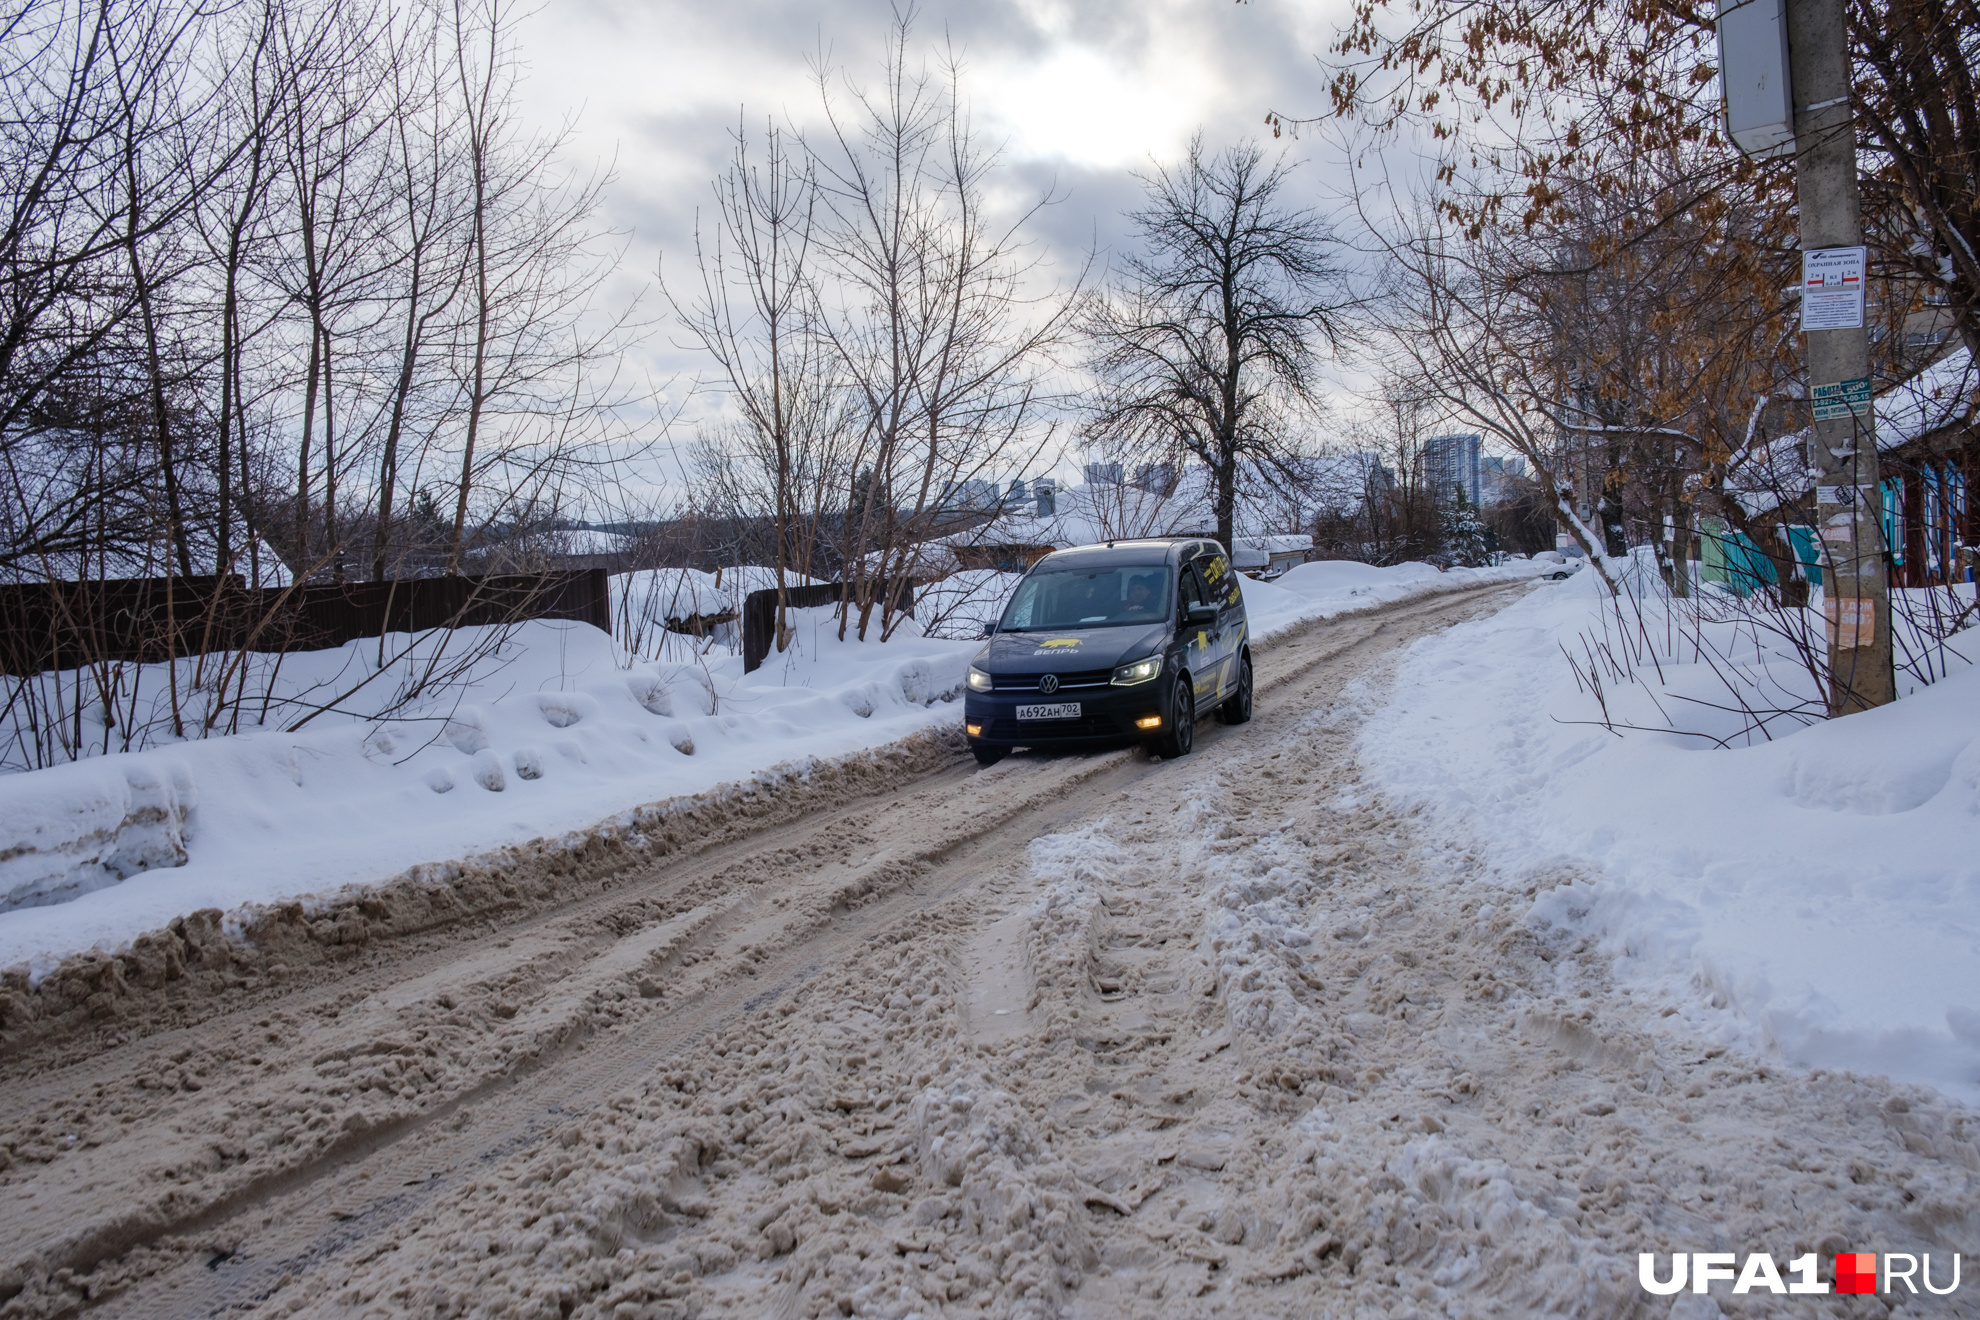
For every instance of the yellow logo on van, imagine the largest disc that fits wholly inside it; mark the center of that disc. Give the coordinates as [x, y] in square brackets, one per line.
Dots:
[1060, 643]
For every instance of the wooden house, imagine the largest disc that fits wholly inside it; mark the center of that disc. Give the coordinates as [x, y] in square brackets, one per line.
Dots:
[1928, 440]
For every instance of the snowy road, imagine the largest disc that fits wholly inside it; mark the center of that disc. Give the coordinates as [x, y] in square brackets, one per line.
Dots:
[1082, 1036]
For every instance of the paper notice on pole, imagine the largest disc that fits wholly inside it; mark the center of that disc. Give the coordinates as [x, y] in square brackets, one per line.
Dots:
[1832, 288]
[1841, 399]
[1852, 622]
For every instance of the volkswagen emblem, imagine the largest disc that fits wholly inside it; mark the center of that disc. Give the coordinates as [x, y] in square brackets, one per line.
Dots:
[1049, 684]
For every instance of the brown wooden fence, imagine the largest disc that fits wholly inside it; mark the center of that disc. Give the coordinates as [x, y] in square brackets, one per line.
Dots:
[760, 612]
[60, 625]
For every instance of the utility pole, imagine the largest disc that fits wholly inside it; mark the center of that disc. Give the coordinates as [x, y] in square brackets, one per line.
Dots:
[1842, 449]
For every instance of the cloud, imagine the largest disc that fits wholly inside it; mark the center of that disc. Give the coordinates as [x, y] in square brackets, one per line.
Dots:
[1081, 94]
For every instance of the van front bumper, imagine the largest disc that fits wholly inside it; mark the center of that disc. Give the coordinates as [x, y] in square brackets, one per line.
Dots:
[1109, 714]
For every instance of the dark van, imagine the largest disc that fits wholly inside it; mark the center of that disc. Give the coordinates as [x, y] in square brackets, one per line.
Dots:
[1127, 640]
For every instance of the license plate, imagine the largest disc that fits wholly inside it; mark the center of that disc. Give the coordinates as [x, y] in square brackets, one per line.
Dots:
[1065, 710]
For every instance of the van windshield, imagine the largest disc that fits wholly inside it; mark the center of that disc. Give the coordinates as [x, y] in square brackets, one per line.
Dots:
[1096, 598]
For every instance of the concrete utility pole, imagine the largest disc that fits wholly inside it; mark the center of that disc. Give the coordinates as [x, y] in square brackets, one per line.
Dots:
[1842, 451]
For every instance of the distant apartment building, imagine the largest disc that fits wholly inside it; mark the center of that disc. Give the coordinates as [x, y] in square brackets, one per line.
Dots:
[1157, 478]
[1451, 462]
[975, 493]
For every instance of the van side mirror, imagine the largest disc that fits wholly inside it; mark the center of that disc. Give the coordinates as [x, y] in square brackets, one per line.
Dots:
[1200, 614]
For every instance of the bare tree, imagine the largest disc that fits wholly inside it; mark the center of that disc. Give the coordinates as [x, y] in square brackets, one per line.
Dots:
[1472, 347]
[882, 338]
[1208, 346]
[230, 236]
[429, 237]
[1619, 345]
[335, 115]
[1379, 505]
[277, 270]
[84, 85]
[755, 316]
[1558, 88]
[533, 337]
[1917, 105]
[932, 314]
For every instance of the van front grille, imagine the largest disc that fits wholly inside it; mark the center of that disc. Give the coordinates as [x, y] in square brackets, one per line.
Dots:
[1086, 678]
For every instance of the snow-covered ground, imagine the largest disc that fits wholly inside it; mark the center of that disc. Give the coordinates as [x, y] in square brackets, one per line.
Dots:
[1081, 1036]
[644, 601]
[1815, 894]
[1332, 587]
[554, 731]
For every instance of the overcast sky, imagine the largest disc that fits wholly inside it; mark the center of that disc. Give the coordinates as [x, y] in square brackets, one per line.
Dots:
[1079, 94]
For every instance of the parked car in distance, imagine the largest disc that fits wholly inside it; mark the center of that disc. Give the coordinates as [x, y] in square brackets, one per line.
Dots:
[1564, 566]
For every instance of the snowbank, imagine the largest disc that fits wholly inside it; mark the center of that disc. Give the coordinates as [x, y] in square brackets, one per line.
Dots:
[963, 604]
[1816, 893]
[553, 732]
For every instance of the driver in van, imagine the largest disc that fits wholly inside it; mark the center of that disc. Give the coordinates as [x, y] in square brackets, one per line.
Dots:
[1140, 595]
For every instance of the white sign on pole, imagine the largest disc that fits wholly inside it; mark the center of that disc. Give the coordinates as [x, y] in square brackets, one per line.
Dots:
[1832, 288]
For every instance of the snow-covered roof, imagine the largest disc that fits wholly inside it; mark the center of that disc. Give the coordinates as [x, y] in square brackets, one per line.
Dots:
[54, 473]
[1947, 393]
[556, 543]
[1111, 511]
[258, 562]
[589, 541]
[1100, 511]
[1255, 551]
[1771, 472]
[681, 593]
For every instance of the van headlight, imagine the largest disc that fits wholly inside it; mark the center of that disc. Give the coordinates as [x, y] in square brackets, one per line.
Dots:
[1138, 672]
[979, 681]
